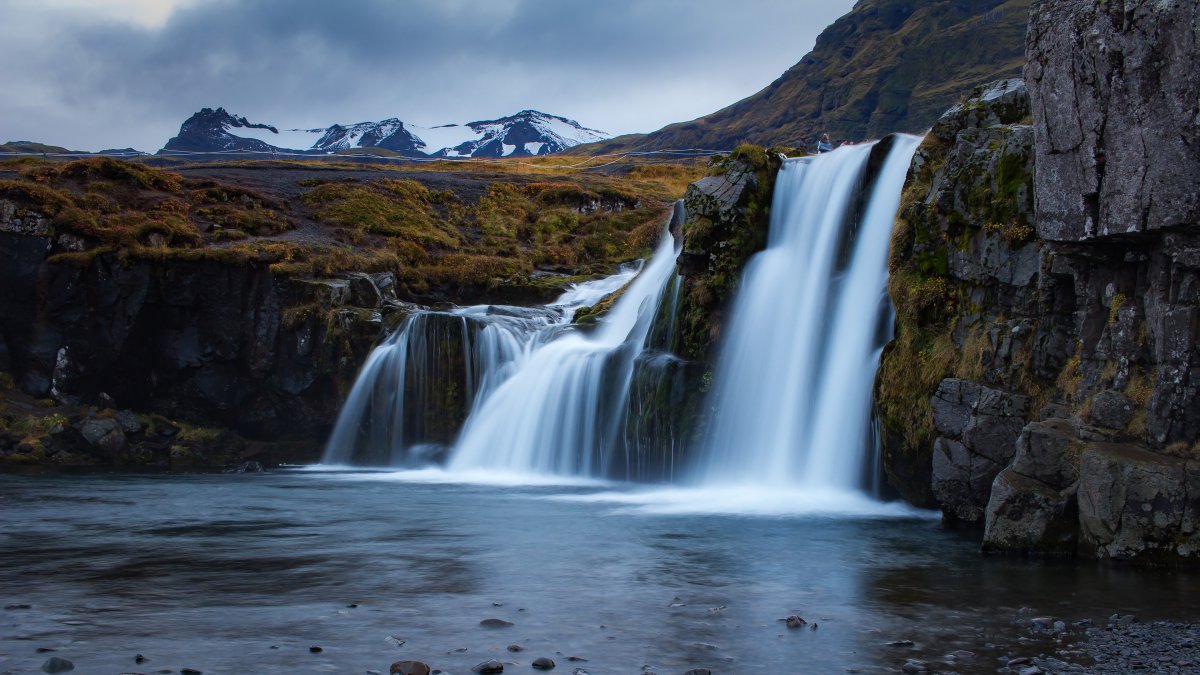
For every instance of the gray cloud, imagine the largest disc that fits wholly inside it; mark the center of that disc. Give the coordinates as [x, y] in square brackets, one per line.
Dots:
[86, 81]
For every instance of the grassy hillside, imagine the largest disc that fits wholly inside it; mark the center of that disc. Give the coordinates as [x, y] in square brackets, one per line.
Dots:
[438, 227]
[888, 65]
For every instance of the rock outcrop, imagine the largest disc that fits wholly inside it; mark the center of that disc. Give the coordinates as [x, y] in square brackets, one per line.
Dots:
[1053, 263]
[217, 344]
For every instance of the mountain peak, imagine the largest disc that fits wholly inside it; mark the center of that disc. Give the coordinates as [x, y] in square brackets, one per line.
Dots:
[524, 134]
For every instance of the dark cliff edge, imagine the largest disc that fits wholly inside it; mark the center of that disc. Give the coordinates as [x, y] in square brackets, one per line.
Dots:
[1046, 276]
[219, 315]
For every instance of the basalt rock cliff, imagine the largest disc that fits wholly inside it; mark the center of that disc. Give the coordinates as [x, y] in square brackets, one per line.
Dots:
[1045, 379]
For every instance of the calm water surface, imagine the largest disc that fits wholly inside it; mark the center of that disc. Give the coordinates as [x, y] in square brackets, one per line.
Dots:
[242, 574]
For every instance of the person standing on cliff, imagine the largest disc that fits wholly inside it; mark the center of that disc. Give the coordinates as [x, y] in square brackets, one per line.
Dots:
[824, 145]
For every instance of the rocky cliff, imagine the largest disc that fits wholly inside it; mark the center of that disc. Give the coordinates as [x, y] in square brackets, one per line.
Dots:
[1045, 271]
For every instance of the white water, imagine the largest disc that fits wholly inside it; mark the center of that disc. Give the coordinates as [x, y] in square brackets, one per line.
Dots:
[792, 390]
[561, 411]
[382, 420]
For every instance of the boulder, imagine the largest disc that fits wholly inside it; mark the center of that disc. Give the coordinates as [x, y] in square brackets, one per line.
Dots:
[962, 480]
[1048, 452]
[1000, 102]
[1137, 504]
[105, 434]
[1112, 410]
[1027, 515]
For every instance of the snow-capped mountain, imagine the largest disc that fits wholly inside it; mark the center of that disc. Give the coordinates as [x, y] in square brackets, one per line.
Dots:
[526, 134]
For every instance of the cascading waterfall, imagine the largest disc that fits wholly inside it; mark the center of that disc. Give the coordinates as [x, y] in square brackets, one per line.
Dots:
[562, 409]
[792, 390]
[791, 396]
[529, 391]
[416, 389]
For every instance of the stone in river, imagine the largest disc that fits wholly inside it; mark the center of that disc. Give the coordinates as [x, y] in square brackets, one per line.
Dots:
[57, 665]
[488, 667]
[515, 648]
[915, 666]
[543, 663]
[315, 649]
[495, 623]
[794, 621]
[409, 668]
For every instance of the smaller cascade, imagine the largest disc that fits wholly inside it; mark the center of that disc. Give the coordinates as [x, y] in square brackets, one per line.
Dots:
[563, 409]
[416, 389]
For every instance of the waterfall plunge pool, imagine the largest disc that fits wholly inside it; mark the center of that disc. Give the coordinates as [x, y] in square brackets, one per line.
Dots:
[241, 574]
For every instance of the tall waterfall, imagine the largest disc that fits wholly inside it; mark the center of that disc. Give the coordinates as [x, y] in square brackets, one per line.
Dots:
[792, 390]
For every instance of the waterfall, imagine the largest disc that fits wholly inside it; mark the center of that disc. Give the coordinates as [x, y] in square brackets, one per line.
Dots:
[530, 391]
[416, 389]
[512, 390]
[563, 408]
[792, 389]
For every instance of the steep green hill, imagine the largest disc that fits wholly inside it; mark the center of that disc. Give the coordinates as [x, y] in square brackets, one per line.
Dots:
[888, 65]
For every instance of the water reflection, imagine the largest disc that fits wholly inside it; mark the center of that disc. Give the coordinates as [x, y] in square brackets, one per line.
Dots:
[242, 575]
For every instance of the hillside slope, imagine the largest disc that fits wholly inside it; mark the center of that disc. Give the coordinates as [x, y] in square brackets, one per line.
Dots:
[888, 65]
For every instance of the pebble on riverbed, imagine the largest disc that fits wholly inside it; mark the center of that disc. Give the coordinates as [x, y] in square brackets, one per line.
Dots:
[489, 667]
[495, 623]
[409, 668]
[543, 663]
[57, 665]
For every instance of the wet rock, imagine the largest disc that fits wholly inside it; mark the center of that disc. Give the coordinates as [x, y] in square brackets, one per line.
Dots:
[315, 649]
[55, 664]
[189, 671]
[252, 467]
[363, 291]
[1030, 670]
[915, 666]
[139, 659]
[489, 666]
[794, 621]
[409, 667]
[900, 643]
[515, 648]
[543, 663]
[19, 605]
[495, 623]
[698, 671]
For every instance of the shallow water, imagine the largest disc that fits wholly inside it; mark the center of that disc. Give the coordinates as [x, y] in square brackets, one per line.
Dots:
[242, 574]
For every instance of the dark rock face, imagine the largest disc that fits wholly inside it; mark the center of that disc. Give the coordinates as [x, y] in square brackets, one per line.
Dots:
[979, 426]
[217, 344]
[1115, 92]
[1138, 504]
[1074, 287]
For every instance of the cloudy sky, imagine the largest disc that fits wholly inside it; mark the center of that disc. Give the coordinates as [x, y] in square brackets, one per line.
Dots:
[92, 74]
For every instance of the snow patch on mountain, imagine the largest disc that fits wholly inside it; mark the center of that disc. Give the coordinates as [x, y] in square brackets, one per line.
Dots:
[527, 133]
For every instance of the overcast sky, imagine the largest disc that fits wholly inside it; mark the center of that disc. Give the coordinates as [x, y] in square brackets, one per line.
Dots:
[92, 74]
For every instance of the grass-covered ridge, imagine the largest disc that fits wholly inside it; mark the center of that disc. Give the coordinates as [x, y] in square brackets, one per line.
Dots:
[437, 225]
